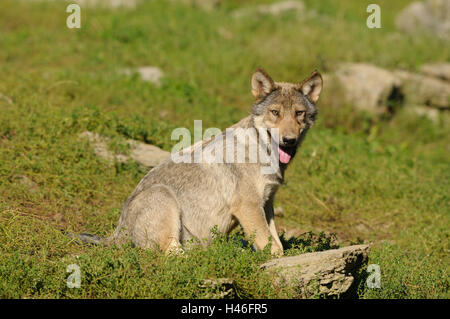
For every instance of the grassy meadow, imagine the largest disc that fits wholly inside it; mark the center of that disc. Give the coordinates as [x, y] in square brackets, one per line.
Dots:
[355, 180]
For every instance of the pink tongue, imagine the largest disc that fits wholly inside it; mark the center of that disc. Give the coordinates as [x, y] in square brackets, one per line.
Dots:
[284, 157]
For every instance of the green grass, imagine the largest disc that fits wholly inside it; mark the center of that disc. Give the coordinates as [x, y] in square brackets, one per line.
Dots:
[383, 182]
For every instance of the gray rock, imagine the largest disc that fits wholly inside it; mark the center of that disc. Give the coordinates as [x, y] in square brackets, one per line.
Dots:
[425, 111]
[330, 273]
[25, 181]
[275, 9]
[293, 233]
[151, 74]
[6, 98]
[281, 7]
[431, 16]
[278, 211]
[99, 145]
[364, 86]
[440, 70]
[376, 90]
[111, 4]
[224, 33]
[145, 154]
[206, 5]
[108, 3]
[424, 90]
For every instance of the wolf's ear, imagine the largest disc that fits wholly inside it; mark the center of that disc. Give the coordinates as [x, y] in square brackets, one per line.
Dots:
[262, 84]
[312, 86]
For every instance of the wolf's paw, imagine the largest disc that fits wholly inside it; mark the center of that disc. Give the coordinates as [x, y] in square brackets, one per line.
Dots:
[174, 249]
[276, 250]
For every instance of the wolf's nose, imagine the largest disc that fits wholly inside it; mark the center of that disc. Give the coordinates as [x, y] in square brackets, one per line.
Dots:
[289, 141]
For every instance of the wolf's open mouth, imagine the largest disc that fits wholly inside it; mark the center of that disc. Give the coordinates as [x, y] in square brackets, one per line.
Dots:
[285, 154]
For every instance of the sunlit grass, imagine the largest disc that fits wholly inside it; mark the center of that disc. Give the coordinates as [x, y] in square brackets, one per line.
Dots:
[381, 182]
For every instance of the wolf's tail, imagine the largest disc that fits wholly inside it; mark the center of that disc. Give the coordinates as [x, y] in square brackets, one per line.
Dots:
[86, 239]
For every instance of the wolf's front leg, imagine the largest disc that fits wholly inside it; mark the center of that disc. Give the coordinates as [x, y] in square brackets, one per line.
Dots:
[270, 217]
[252, 218]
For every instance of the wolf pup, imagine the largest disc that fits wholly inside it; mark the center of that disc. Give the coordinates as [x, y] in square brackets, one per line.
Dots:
[175, 202]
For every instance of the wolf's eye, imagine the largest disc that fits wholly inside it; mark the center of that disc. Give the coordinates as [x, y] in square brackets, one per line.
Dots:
[298, 113]
[275, 112]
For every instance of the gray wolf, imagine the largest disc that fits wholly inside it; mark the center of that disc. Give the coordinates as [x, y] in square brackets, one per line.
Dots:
[175, 202]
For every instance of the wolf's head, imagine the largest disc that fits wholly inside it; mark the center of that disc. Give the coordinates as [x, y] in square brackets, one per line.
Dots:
[288, 107]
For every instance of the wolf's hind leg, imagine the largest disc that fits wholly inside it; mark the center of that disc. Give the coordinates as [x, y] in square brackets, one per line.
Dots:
[158, 222]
